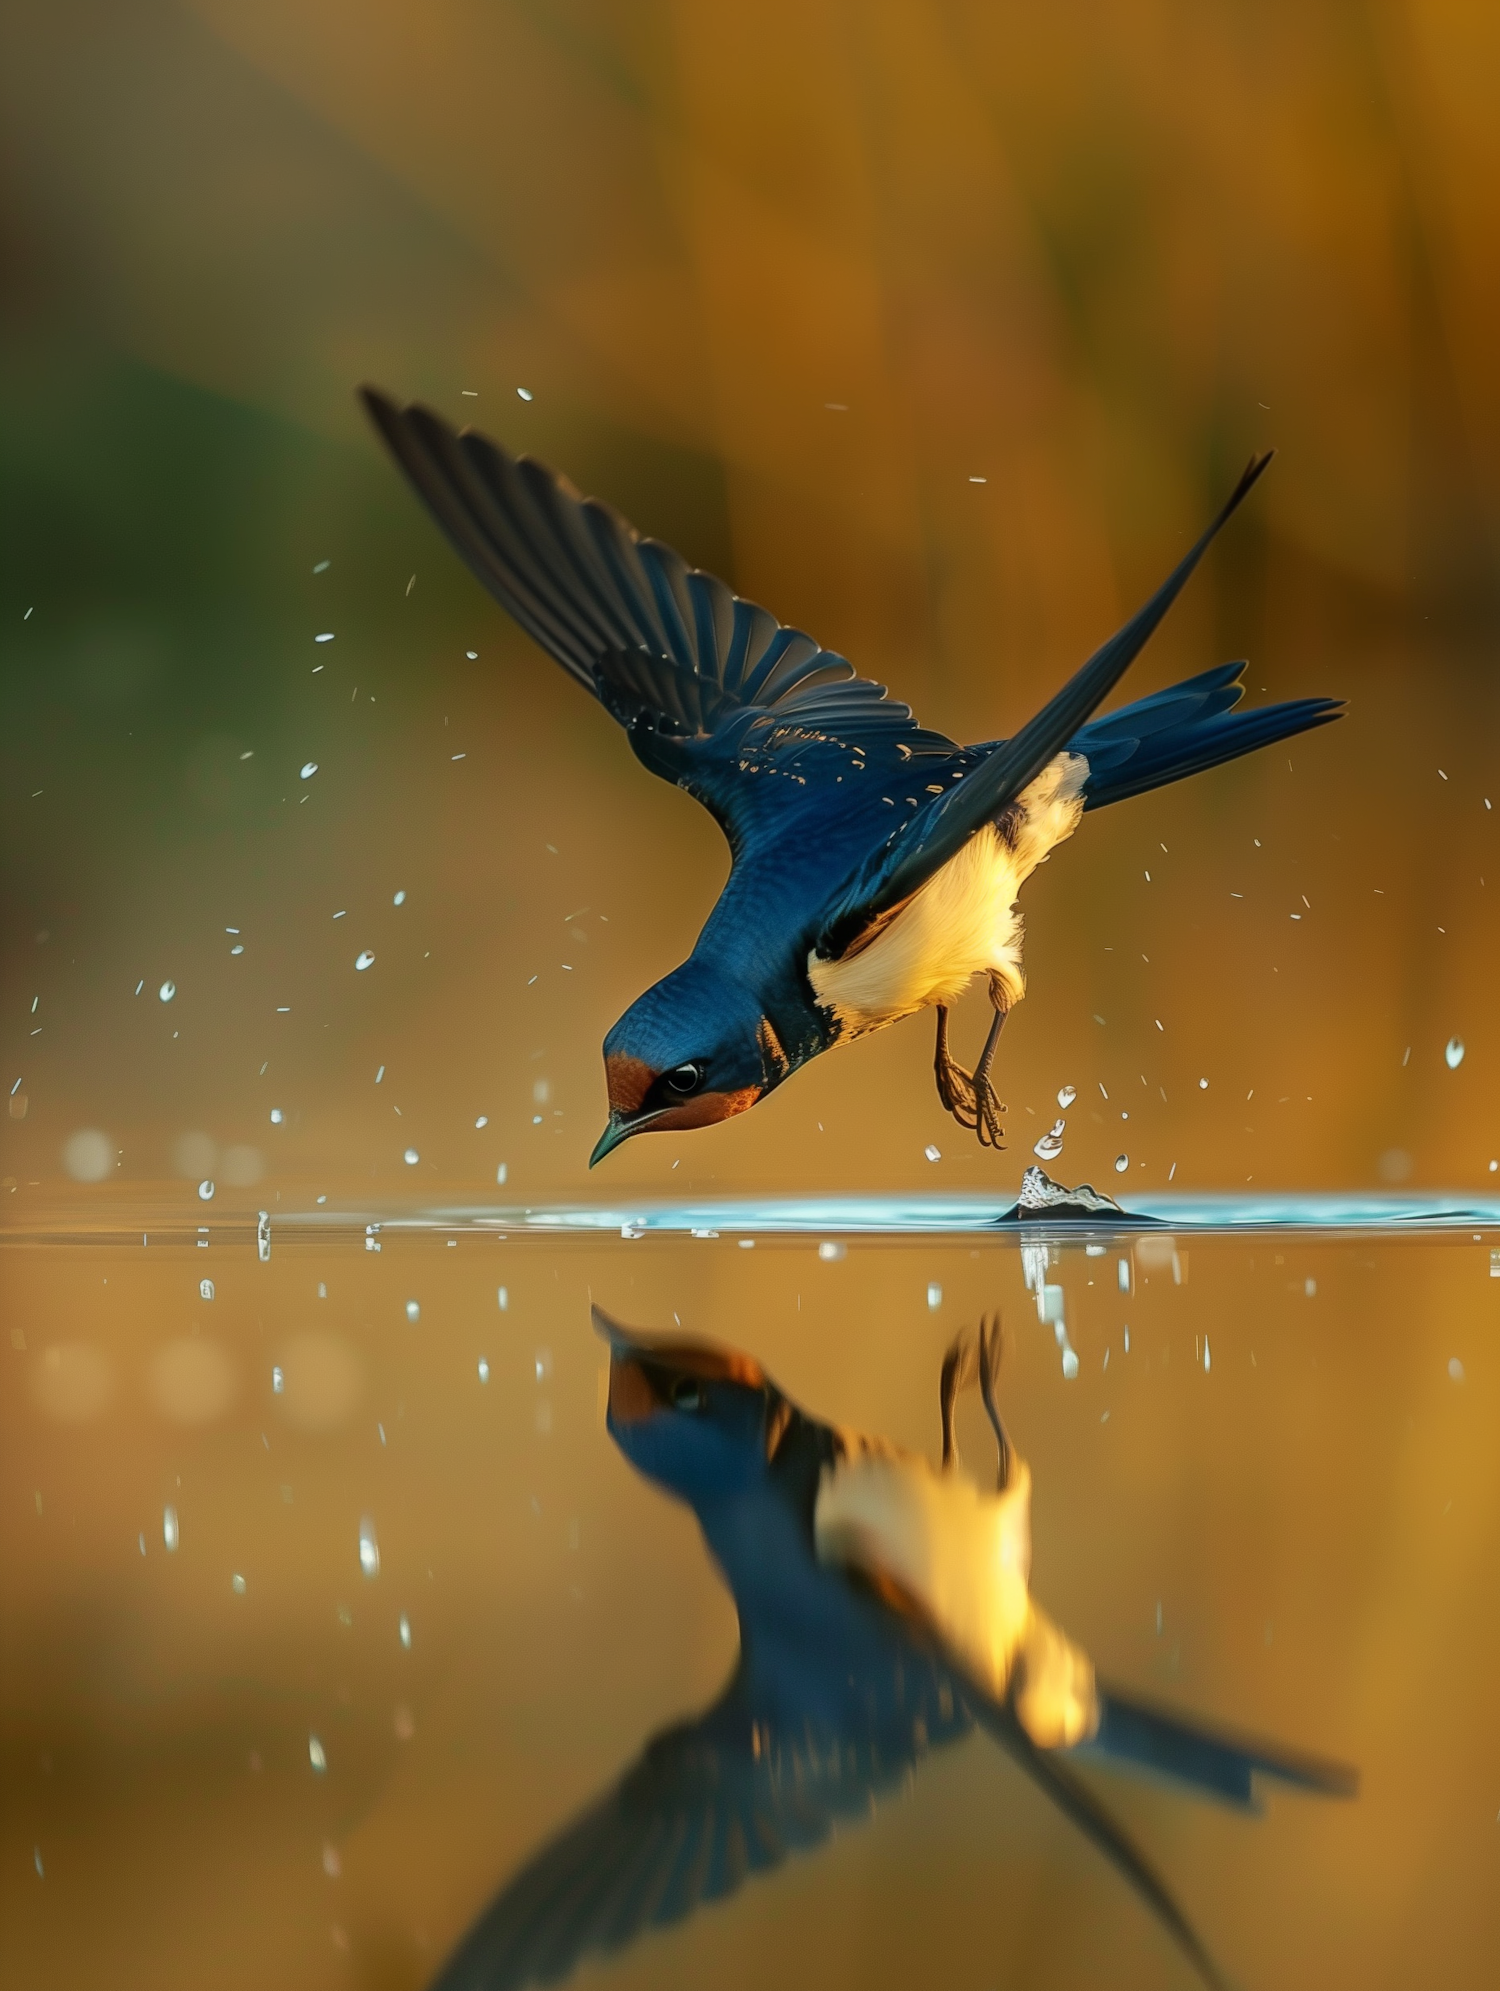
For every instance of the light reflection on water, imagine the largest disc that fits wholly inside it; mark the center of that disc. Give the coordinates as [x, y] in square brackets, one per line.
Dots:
[329, 1600]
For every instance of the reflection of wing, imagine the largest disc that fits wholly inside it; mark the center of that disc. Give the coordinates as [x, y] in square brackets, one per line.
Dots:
[1050, 1771]
[1211, 1761]
[712, 689]
[709, 1803]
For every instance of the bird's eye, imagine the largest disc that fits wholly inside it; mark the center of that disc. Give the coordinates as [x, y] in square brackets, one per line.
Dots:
[687, 1394]
[685, 1078]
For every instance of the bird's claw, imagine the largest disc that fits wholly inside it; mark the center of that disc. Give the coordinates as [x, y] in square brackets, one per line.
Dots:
[956, 1091]
[968, 1096]
[987, 1122]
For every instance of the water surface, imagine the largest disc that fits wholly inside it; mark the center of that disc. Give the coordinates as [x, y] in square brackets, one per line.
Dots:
[328, 1597]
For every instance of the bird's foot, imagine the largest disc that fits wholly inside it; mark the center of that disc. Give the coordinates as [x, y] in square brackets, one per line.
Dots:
[955, 1085]
[988, 1109]
[969, 1096]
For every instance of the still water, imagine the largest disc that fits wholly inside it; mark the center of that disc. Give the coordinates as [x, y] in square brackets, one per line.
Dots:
[331, 1598]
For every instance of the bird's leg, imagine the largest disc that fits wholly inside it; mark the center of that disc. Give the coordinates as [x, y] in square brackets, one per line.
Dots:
[989, 1367]
[955, 1085]
[987, 1107]
[956, 1369]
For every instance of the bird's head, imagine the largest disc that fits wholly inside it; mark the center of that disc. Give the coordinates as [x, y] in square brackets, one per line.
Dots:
[703, 1422]
[694, 1049]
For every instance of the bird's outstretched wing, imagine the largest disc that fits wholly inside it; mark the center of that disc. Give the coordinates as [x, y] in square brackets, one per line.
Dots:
[700, 679]
[708, 1803]
[924, 842]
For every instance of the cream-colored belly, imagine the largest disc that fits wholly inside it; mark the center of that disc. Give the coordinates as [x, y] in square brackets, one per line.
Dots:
[963, 922]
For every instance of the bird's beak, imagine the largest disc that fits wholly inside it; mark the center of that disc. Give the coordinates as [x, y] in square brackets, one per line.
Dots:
[620, 1128]
[609, 1140]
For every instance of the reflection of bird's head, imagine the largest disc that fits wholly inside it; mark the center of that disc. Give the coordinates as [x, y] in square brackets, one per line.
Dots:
[703, 1422]
[694, 1049]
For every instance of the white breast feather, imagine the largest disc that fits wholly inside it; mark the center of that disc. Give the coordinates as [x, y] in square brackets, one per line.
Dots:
[964, 920]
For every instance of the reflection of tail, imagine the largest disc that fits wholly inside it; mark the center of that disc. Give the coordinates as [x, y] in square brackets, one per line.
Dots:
[1214, 1761]
[1054, 1774]
[1183, 730]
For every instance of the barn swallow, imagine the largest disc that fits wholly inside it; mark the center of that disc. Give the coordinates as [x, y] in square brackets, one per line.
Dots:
[884, 1611]
[875, 863]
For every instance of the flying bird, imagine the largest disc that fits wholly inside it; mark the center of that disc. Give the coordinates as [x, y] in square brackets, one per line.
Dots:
[876, 863]
[884, 1611]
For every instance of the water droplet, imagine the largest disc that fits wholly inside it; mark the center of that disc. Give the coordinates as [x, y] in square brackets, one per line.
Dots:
[483, 1120]
[399, 900]
[1050, 1146]
[169, 1529]
[404, 1630]
[503, 1298]
[1203, 1085]
[413, 1310]
[1208, 1360]
[237, 1584]
[1122, 1162]
[1066, 1096]
[501, 1172]
[167, 991]
[205, 1289]
[524, 393]
[278, 1381]
[484, 1370]
[333, 1866]
[1070, 1363]
[829, 1251]
[933, 1154]
[309, 769]
[934, 1296]
[369, 1549]
[1453, 1054]
[276, 1116]
[1456, 1370]
[363, 961]
[315, 1754]
[205, 1192]
[411, 1157]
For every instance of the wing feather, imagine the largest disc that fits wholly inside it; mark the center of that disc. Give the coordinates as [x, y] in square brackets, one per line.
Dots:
[709, 1803]
[939, 830]
[685, 665]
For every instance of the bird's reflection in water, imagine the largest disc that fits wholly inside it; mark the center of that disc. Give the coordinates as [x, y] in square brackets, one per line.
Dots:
[884, 1611]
